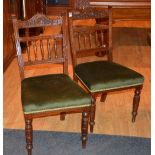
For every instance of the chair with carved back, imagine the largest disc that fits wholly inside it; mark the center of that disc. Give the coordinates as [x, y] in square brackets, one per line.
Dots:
[99, 76]
[52, 94]
[85, 4]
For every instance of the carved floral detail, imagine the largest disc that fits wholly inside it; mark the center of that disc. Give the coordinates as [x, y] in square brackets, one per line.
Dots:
[89, 13]
[39, 20]
[82, 4]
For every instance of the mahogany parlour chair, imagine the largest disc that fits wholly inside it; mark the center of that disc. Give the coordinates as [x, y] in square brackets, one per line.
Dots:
[85, 4]
[99, 76]
[51, 94]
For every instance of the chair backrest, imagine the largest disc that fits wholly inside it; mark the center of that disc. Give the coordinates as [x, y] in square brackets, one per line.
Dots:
[43, 48]
[88, 40]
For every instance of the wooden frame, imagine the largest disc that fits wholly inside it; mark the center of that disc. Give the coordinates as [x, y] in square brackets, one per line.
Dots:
[121, 3]
[122, 9]
[126, 9]
[40, 20]
[83, 14]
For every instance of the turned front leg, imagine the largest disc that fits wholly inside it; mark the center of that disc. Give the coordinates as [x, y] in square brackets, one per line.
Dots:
[29, 135]
[136, 101]
[84, 128]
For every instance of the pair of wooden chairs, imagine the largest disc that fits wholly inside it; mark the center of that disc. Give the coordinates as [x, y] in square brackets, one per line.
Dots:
[58, 94]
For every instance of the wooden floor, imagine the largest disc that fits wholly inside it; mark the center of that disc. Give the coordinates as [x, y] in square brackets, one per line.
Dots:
[112, 117]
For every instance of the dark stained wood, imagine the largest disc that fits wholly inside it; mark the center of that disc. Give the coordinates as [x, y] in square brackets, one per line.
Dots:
[79, 48]
[126, 9]
[103, 97]
[92, 114]
[16, 7]
[122, 3]
[33, 7]
[84, 128]
[29, 135]
[131, 14]
[82, 53]
[122, 9]
[37, 21]
[136, 101]
[57, 112]
[62, 116]
[109, 38]
[43, 49]
[97, 33]
[81, 4]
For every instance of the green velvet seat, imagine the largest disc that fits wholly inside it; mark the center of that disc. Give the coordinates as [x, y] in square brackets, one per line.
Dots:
[103, 75]
[52, 92]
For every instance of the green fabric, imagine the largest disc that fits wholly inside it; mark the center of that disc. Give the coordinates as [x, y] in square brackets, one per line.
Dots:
[103, 75]
[56, 91]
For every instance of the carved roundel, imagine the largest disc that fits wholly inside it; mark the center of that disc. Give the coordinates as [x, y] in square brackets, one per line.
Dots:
[82, 4]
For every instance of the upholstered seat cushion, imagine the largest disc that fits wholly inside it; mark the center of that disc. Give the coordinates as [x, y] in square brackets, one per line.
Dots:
[52, 92]
[103, 75]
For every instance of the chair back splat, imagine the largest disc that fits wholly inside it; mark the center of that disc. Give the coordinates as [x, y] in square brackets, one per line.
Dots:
[87, 40]
[43, 48]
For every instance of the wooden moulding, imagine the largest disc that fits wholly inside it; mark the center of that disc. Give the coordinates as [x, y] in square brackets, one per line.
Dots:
[121, 4]
[39, 20]
[57, 112]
